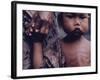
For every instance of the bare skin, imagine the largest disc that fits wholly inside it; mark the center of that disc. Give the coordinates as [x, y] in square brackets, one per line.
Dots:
[37, 55]
[77, 53]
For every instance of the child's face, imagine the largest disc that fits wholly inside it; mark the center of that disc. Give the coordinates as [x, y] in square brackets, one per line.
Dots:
[76, 20]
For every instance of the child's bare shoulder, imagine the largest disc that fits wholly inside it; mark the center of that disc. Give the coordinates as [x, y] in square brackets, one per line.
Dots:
[85, 42]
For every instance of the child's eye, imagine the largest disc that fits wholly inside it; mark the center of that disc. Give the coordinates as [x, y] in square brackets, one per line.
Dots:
[69, 16]
[83, 17]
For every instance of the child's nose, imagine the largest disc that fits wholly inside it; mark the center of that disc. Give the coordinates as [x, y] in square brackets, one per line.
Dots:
[77, 21]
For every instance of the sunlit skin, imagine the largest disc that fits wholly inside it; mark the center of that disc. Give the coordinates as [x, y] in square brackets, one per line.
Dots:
[76, 53]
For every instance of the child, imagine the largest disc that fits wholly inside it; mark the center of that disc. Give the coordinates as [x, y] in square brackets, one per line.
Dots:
[75, 47]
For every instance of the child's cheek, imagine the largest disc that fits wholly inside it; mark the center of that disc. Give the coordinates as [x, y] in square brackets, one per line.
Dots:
[85, 27]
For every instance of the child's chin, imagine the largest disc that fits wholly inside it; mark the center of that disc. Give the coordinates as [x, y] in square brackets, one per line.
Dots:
[73, 36]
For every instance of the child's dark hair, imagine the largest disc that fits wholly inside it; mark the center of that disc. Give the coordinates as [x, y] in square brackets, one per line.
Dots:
[60, 19]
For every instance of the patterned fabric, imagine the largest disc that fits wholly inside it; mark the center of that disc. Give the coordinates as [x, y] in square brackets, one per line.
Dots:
[52, 54]
[26, 56]
[53, 57]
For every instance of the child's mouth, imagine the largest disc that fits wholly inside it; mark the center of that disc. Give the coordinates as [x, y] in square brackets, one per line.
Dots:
[73, 36]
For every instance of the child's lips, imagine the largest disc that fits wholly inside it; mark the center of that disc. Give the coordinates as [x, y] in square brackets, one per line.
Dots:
[74, 35]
